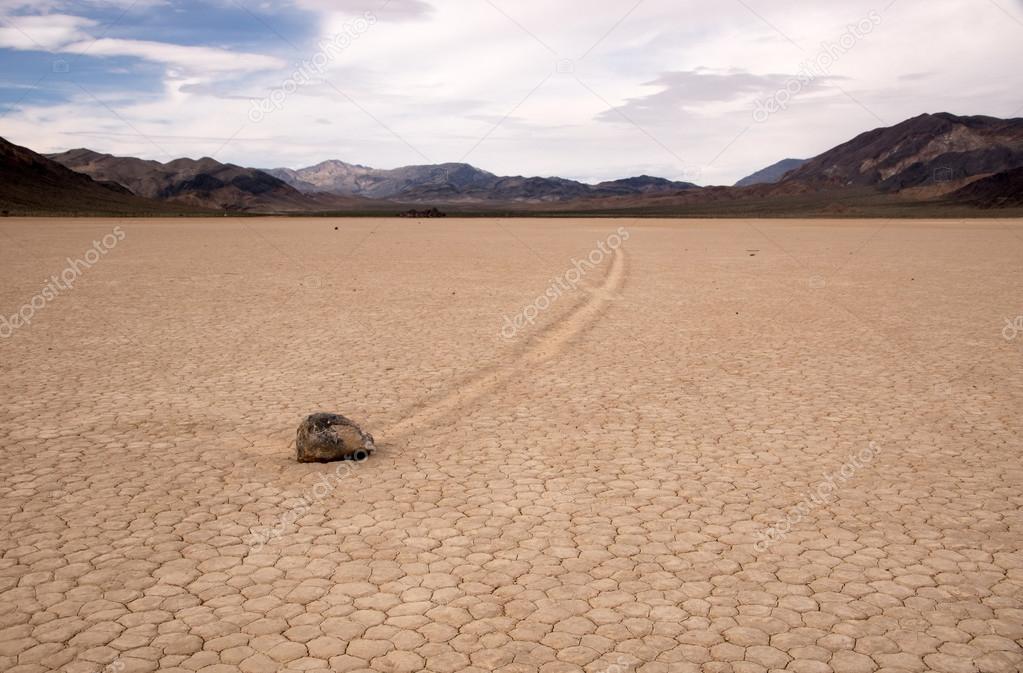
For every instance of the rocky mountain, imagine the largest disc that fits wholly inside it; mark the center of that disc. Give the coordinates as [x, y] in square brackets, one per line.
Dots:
[338, 177]
[942, 150]
[204, 183]
[772, 174]
[922, 158]
[458, 183]
[924, 166]
[30, 183]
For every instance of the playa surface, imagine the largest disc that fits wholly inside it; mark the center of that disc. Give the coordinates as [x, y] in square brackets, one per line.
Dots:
[734, 445]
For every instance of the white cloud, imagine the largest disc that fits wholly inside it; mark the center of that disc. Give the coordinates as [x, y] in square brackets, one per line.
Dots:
[684, 95]
[72, 34]
[187, 58]
[391, 10]
[46, 33]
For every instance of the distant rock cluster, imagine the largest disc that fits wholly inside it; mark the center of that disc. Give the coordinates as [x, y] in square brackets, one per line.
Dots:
[432, 212]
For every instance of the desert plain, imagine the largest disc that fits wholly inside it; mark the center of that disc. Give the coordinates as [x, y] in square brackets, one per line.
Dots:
[729, 446]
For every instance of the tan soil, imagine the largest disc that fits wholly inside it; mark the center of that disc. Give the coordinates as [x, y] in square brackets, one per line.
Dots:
[592, 495]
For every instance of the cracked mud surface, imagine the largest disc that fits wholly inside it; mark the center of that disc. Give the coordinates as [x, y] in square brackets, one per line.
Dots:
[627, 485]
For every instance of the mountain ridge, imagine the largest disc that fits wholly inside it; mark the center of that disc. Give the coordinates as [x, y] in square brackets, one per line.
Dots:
[928, 159]
[457, 182]
[32, 183]
[770, 174]
[203, 182]
[939, 148]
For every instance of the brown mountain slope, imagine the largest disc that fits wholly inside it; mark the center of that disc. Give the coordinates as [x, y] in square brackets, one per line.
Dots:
[202, 182]
[30, 183]
[1001, 190]
[924, 166]
[931, 149]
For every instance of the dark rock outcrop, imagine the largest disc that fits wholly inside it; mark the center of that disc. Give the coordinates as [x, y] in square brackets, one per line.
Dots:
[432, 212]
[1001, 190]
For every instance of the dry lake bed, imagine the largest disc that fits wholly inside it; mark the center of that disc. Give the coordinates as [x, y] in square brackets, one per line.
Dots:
[603, 445]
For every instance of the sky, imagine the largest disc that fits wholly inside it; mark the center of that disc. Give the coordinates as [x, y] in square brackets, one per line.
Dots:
[591, 90]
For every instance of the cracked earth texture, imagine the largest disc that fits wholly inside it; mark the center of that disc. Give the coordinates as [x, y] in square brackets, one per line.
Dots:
[585, 497]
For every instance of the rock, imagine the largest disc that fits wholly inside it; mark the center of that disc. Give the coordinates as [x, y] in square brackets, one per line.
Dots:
[323, 438]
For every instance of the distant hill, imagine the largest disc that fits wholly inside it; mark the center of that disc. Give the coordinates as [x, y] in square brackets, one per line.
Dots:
[643, 184]
[204, 183]
[30, 183]
[458, 183]
[1000, 190]
[942, 150]
[771, 174]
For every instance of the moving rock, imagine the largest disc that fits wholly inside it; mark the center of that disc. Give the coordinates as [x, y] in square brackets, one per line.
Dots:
[323, 438]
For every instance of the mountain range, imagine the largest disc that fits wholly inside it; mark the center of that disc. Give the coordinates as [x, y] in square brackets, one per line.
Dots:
[202, 183]
[938, 149]
[32, 184]
[457, 182]
[929, 162]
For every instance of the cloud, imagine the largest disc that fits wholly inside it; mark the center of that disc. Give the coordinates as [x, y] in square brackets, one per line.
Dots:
[214, 90]
[685, 90]
[691, 92]
[187, 58]
[71, 34]
[45, 33]
[41, 6]
[390, 10]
